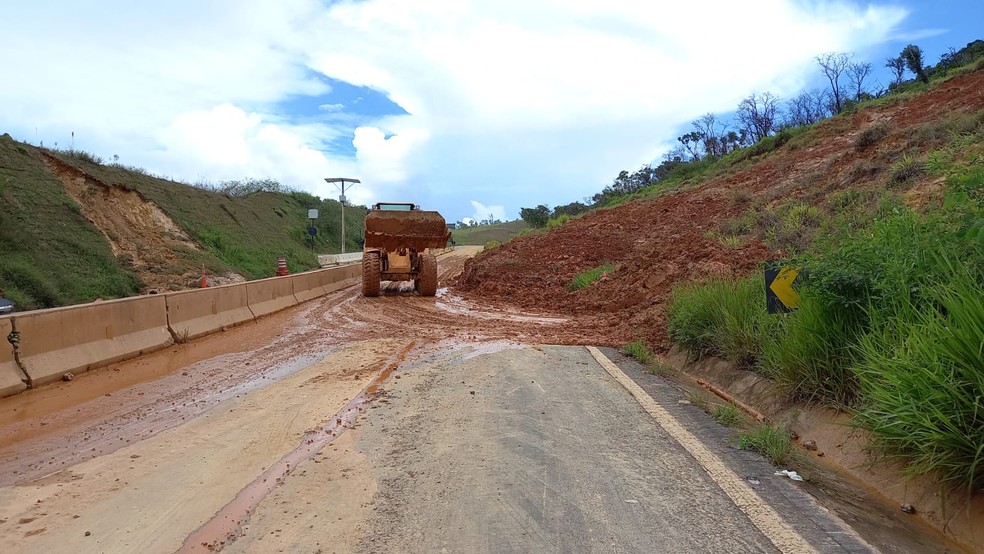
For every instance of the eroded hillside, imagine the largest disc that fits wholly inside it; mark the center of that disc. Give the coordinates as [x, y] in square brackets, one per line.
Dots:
[730, 223]
[73, 229]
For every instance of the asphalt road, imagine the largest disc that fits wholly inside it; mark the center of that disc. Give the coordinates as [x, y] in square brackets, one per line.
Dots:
[539, 449]
[397, 424]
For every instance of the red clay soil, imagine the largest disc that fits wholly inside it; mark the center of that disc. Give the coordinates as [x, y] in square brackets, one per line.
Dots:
[655, 244]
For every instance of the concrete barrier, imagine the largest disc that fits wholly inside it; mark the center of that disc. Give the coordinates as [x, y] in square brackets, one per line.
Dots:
[326, 260]
[194, 313]
[343, 277]
[265, 296]
[11, 377]
[313, 284]
[310, 284]
[78, 338]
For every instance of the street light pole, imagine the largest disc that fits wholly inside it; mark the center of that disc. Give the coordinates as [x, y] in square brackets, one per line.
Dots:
[340, 182]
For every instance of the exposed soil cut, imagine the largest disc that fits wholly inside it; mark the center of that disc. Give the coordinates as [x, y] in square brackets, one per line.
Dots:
[658, 243]
[141, 235]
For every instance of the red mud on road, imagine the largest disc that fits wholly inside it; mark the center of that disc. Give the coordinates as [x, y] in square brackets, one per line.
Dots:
[62, 424]
[658, 243]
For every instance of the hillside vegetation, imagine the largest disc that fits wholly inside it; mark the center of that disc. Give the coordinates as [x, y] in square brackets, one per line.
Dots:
[880, 206]
[73, 229]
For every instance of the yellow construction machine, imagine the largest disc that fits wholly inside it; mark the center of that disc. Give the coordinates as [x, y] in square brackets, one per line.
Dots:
[400, 240]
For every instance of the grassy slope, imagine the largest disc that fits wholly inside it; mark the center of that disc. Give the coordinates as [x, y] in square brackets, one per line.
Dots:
[484, 233]
[42, 227]
[248, 233]
[50, 254]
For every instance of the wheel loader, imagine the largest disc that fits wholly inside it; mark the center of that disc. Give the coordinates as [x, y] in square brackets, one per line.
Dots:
[399, 238]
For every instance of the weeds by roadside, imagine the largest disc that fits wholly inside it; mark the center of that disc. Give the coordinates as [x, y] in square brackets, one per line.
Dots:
[773, 442]
[726, 414]
[638, 350]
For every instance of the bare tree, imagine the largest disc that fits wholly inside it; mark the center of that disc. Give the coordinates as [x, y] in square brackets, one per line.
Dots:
[833, 65]
[707, 126]
[897, 65]
[807, 108]
[857, 73]
[758, 113]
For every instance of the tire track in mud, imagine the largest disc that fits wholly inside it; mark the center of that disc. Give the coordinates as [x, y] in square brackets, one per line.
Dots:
[228, 522]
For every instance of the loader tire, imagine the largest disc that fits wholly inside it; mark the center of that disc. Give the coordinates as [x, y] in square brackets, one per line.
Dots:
[427, 279]
[370, 274]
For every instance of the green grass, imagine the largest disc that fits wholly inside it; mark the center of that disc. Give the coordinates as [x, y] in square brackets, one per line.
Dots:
[726, 414]
[890, 323]
[922, 377]
[52, 255]
[638, 350]
[723, 317]
[773, 442]
[481, 234]
[555, 222]
[586, 278]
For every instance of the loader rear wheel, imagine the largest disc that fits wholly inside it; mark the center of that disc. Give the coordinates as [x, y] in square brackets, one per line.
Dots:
[427, 278]
[370, 274]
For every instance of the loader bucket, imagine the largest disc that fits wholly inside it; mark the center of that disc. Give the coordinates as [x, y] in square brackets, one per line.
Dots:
[417, 229]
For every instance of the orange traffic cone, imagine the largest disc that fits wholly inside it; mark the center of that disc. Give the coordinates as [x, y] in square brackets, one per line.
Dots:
[282, 266]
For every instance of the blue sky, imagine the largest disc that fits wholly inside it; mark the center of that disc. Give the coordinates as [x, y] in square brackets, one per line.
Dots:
[470, 107]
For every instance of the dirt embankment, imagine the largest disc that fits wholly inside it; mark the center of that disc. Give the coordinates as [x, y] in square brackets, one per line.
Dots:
[142, 237]
[658, 243]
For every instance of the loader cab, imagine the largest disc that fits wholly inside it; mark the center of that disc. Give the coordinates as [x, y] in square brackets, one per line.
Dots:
[395, 206]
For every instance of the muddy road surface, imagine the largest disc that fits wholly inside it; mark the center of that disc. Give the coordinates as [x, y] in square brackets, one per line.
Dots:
[393, 424]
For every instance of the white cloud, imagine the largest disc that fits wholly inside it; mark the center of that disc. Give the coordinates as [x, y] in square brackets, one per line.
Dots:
[526, 102]
[483, 212]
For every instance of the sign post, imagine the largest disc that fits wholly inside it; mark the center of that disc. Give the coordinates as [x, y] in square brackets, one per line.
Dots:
[342, 199]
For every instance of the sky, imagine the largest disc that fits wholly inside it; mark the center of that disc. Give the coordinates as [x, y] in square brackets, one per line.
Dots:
[474, 108]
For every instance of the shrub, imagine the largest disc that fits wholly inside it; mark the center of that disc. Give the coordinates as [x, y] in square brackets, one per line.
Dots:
[555, 222]
[84, 156]
[870, 136]
[491, 244]
[906, 170]
[586, 278]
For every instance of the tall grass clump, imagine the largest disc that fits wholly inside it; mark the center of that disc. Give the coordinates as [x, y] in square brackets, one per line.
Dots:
[638, 350]
[772, 442]
[723, 317]
[921, 373]
[812, 353]
[585, 278]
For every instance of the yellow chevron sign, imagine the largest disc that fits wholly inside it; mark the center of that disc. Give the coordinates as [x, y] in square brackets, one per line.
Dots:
[779, 282]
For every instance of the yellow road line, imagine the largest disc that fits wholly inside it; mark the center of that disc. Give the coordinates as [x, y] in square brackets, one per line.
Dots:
[763, 516]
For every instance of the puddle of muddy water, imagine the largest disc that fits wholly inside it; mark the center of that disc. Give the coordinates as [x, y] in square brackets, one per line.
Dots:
[457, 306]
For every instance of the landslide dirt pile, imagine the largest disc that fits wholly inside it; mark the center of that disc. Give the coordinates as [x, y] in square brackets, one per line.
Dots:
[655, 244]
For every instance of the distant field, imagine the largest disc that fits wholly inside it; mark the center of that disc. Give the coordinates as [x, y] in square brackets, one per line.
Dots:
[484, 233]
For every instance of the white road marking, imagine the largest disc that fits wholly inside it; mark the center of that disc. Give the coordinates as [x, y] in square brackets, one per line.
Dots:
[763, 516]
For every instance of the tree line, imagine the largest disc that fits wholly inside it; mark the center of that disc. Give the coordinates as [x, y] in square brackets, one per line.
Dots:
[762, 115]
